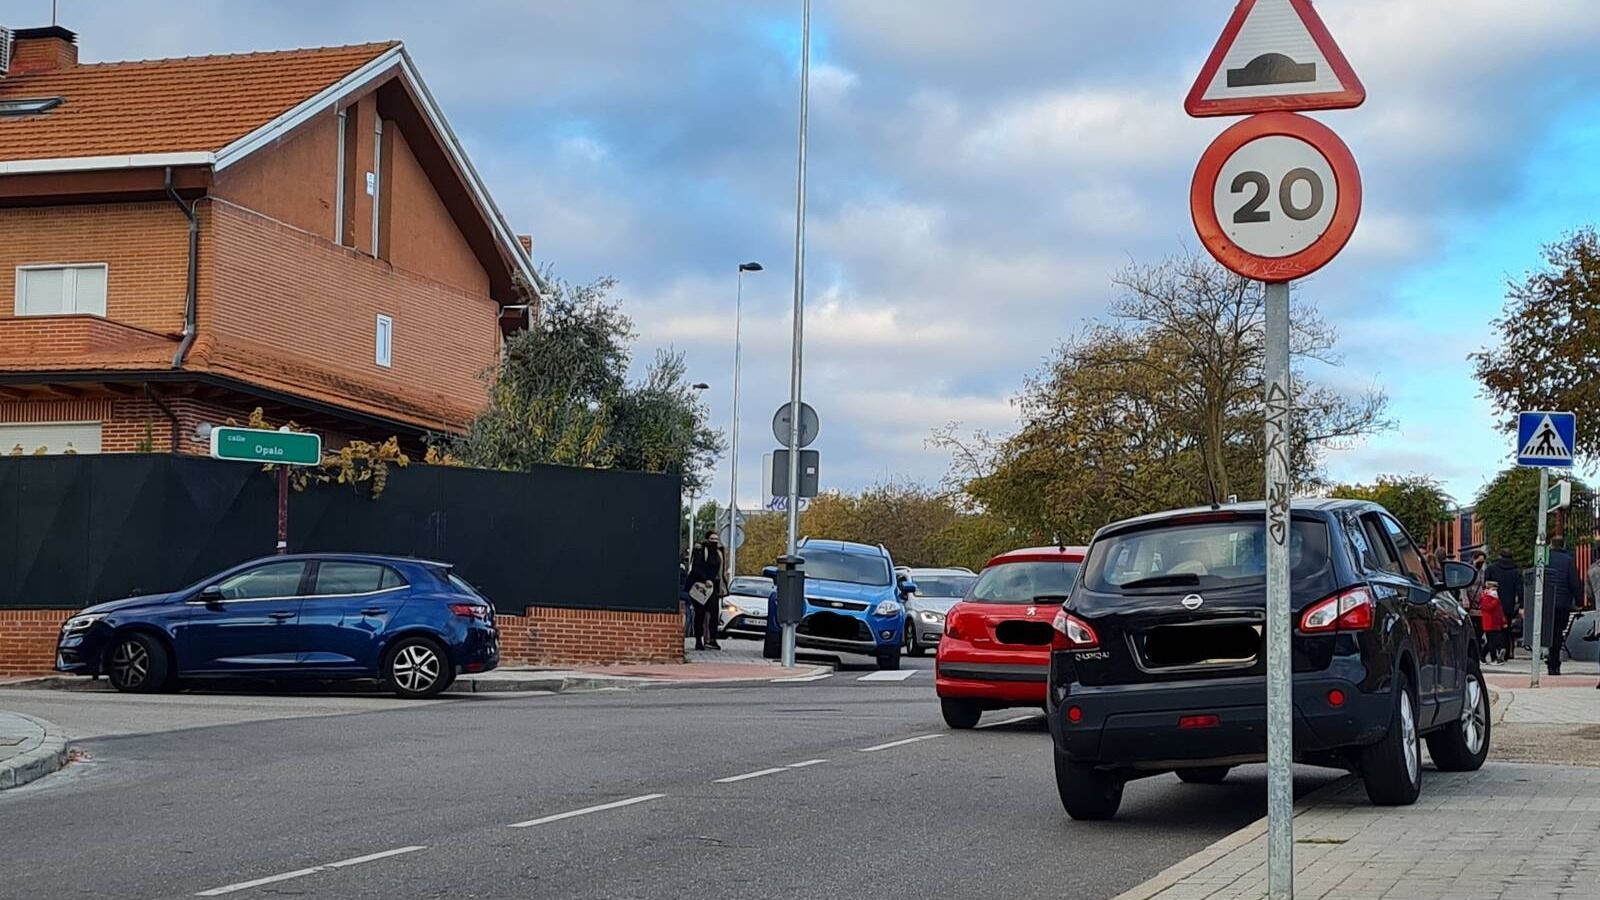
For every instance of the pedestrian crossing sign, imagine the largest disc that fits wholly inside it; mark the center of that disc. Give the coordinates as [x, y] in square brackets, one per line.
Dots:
[1546, 439]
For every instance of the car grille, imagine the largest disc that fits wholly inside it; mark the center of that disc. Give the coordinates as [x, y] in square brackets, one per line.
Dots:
[835, 626]
[1016, 631]
[826, 603]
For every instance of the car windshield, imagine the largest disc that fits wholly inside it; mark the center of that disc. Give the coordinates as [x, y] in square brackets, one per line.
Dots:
[1023, 582]
[1200, 554]
[943, 585]
[852, 568]
[751, 586]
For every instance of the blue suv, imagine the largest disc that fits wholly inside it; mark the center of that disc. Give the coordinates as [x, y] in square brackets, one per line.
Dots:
[855, 602]
[415, 625]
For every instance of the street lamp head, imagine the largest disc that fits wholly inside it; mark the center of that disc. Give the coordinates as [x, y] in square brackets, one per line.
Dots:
[700, 386]
[750, 267]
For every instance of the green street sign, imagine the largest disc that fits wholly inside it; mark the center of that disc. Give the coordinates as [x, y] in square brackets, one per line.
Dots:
[1560, 496]
[1541, 556]
[289, 448]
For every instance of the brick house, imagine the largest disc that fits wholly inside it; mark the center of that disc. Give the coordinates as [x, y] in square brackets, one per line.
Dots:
[184, 240]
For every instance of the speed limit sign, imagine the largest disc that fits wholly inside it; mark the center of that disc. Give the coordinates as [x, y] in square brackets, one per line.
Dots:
[1276, 197]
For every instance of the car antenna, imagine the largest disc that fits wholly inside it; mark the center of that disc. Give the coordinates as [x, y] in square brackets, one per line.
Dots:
[1055, 538]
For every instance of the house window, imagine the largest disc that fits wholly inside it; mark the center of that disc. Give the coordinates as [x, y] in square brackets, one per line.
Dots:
[55, 290]
[385, 341]
[338, 196]
[54, 439]
[375, 180]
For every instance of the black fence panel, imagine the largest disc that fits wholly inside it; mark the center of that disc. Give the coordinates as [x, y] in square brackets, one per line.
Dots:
[76, 530]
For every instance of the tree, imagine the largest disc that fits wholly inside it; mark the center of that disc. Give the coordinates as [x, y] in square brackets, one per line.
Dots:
[561, 396]
[1508, 507]
[1160, 407]
[1419, 502]
[1549, 339]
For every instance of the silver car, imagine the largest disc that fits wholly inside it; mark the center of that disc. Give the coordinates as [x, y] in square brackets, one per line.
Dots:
[937, 591]
[744, 610]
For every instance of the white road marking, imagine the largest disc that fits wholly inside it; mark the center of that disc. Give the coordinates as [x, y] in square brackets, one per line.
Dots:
[748, 775]
[920, 737]
[900, 675]
[1012, 721]
[618, 804]
[798, 678]
[808, 763]
[301, 873]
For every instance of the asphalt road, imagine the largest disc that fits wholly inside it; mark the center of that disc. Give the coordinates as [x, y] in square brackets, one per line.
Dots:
[853, 788]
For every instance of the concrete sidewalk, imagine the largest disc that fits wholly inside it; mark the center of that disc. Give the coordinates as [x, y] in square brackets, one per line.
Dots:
[29, 749]
[1510, 831]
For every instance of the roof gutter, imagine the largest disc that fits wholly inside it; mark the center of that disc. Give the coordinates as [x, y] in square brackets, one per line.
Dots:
[190, 312]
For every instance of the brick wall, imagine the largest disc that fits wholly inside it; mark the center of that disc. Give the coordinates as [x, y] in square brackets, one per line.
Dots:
[546, 636]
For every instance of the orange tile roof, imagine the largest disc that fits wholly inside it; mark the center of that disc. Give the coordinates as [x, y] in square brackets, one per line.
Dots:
[197, 103]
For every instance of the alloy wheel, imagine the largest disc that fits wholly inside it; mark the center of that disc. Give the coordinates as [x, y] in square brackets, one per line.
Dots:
[1474, 718]
[1408, 732]
[130, 663]
[416, 668]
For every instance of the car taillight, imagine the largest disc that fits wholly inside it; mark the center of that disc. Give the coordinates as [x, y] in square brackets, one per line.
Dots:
[1072, 633]
[952, 625]
[472, 611]
[1352, 610]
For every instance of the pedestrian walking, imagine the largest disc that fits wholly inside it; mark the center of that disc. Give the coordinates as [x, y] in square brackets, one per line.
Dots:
[1472, 599]
[1561, 587]
[1508, 582]
[708, 584]
[1593, 579]
[1496, 637]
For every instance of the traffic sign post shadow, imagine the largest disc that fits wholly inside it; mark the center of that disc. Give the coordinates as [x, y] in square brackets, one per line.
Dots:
[282, 448]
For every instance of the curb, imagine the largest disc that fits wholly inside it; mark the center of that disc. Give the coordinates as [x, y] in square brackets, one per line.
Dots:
[1176, 873]
[561, 684]
[50, 755]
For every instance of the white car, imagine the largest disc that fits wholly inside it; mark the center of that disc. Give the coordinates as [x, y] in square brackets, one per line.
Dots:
[744, 610]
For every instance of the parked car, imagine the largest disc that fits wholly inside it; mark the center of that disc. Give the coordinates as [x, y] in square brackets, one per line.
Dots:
[1158, 661]
[855, 602]
[744, 610]
[996, 647]
[413, 624]
[937, 591]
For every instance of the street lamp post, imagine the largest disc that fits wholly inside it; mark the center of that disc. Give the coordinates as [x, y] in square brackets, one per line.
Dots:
[733, 453]
[795, 356]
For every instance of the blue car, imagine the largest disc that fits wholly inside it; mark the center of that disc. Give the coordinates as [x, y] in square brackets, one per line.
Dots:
[855, 603]
[414, 625]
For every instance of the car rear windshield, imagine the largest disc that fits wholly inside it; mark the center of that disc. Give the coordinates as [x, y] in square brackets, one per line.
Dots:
[460, 584]
[1024, 582]
[853, 568]
[943, 585]
[1200, 555]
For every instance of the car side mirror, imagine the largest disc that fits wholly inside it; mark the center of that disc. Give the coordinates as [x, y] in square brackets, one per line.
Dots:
[907, 586]
[1458, 575]
[770, 572]
[211, 593]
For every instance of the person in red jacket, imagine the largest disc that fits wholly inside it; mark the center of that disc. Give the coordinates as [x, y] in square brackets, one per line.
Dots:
[1494, 623]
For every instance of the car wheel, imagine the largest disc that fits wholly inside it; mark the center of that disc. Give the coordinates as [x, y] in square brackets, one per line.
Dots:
[912, 647]
[961, 714]
[1464, 748]
[1204, 774]
[1392, 768]
[138, 664]
[772, 646]
[889, 660]
[1088, 794]
[416, 667]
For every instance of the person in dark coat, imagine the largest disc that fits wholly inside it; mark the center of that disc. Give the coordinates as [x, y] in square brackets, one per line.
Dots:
[1562, 587]
[707, 565]
[1508, 581]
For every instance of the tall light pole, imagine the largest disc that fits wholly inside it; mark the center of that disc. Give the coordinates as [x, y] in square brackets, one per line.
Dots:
[733, 457]
[697, 387]
[799, 317]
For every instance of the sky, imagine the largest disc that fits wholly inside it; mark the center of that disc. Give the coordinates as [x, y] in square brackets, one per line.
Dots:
[979, 171]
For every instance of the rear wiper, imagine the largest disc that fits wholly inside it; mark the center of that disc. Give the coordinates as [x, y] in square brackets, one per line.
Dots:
[1173, 580]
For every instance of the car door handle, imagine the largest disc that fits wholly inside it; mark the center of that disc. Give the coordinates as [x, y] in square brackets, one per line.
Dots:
[373, 611]
[280, 616]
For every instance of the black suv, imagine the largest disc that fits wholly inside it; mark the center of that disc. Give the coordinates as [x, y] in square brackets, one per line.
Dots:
[1159, 665]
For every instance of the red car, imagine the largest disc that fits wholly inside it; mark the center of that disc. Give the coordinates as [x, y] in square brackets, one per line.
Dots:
[996, 647]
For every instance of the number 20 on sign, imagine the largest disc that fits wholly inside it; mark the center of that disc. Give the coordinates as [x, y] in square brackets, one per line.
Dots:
[1276, 197]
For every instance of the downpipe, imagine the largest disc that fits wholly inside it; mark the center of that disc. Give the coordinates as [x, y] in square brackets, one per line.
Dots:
[190, 315]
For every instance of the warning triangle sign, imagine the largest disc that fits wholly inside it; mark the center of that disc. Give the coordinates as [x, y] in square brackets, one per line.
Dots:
[1274, 55]
[1545, 443]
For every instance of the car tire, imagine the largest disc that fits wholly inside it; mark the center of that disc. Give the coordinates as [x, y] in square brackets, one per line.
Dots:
[889, 660]
[771, 646]
[912, 647]
[1391, 769]
[139, 663]
[1204, 774]
[960, 714]
[1087, 794]
[1464, 747]
[416, 667]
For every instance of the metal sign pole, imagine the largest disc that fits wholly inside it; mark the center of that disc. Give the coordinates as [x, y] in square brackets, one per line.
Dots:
[283, 510]
[799, 313]
[1280, 684]
[1540, 557]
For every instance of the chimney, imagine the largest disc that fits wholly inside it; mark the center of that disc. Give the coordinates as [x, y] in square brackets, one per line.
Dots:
[48, 49]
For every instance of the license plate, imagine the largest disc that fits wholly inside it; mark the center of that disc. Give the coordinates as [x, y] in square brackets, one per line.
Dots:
[757, 621]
